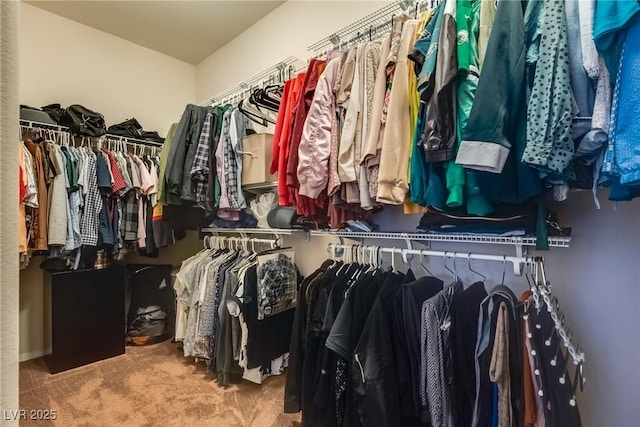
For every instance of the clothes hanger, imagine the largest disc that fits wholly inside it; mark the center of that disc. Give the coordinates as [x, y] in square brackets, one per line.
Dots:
[455, 276]
[527, 272]
[255, 116]
[393, 262]
[536, 284]
[372, 260]
[346, 263]
[405, 260]
[484, 278]
[455, 268]
[274, 90]
[331, 250]
[424, 266]
[268, 98]
[360, 267]
[504, 268]
[252, 115]
[261, 98]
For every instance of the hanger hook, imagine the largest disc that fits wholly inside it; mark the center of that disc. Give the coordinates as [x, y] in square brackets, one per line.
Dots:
[504, 268]
[423, 265]
[393, 261]
[455, 267]
[484, 278]
[446, 254]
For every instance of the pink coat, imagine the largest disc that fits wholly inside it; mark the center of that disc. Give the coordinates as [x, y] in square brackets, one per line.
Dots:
[315, 144]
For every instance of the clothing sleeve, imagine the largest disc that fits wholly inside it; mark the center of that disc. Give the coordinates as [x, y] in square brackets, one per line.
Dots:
[315, 145]
[178, 153]
[108, 162]
[278, 132]
[146, 183]
[440, 128]
[346, 150]
[340, 335]
[293, 384]
[433, 385]
[485, 145]
[200, 167]
[372, 140]
[394, 161]
[373, 374]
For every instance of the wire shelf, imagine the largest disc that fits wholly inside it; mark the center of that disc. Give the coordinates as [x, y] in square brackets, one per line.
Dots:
[48, 126]
[372, 25]
[561, 242]
[260, 188]
[277, 73]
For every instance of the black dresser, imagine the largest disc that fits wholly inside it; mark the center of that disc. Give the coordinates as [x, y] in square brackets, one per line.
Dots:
[87, 316]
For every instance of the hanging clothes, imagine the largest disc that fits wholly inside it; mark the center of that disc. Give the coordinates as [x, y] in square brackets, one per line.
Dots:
[372, 147]
[381, 348]
[315, 143]
[392, 178]
[79, 199]
[622, 162]
[217, 317]
[41, 219]
[183, 152]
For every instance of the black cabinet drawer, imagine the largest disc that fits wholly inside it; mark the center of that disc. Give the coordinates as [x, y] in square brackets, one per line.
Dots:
[87, 316]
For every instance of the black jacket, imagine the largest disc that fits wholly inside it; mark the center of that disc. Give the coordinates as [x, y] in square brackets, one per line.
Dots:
[183, 151]
[373, 376]
[439, 139]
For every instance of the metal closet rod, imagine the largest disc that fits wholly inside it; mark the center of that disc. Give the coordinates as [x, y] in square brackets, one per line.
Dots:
[577, 355]
[517, 261]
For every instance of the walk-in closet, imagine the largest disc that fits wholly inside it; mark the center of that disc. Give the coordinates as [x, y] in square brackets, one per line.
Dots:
[407, 213]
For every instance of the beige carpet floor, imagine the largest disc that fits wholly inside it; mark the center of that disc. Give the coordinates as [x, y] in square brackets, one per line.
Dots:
[149, 386]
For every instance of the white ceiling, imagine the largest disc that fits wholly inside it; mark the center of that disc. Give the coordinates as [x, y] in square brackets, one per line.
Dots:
[189, 30]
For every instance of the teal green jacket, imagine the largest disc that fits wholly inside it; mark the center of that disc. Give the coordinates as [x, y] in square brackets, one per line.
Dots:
[494, 137]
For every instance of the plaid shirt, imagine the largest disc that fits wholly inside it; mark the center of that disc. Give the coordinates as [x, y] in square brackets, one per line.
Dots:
[90, 221]
[277, 286]
[200, 168]
[130, 216]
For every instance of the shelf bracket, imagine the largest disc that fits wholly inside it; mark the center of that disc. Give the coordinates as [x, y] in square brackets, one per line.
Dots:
[339, 252]
[279, 239]
[406, 259]
[521, 250]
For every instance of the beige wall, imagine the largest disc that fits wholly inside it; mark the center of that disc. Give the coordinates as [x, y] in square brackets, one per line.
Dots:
[287, 31]
[67, 62]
